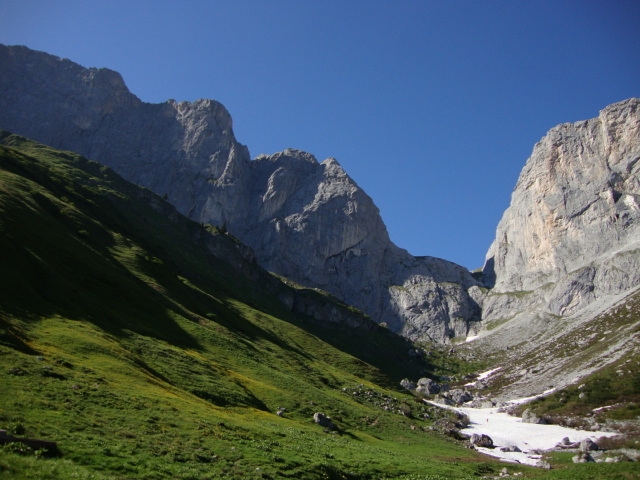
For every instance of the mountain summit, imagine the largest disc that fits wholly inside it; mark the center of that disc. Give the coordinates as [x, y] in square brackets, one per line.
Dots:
[571, 235]
[567, 242]
[306, 220]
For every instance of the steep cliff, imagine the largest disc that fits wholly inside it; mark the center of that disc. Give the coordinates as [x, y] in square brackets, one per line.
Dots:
[565, 264]
[305, 220]
[571, 235]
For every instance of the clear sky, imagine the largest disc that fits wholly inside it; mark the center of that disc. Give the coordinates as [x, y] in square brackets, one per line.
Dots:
[432, 107]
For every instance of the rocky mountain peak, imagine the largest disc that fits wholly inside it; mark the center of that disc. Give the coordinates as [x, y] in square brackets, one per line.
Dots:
[573, 226]
[305, 220]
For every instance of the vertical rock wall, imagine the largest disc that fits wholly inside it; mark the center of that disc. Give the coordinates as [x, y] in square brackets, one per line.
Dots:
[572, 232]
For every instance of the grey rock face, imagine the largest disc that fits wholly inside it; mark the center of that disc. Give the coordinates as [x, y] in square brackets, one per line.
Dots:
[305, 220]
[571, 234]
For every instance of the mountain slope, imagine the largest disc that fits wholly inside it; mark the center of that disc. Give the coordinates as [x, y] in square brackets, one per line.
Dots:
[566, 257]
[306, 220]
[573, 211]
[129, 341]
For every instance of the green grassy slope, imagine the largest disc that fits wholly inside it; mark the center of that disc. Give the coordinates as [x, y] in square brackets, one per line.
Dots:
[123, 339]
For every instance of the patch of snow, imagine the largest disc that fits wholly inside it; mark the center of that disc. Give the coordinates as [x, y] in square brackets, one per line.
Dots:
[471, 338]
[482, 376]
[506, 430]
[488, 373]
[599, 409]
[520, 401]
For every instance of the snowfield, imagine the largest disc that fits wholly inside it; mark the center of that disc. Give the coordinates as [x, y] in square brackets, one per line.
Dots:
[506, 430]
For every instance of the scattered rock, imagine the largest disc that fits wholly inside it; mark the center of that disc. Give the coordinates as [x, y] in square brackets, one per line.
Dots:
[481, 440]
[588, 445]
[324, 421]
[529, 417]
[510, 448]
[408, 384]
[543, 464]
[583, 458]
[426, 386]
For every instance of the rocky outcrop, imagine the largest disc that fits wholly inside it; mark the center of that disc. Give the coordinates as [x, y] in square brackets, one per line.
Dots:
[304, 219]
[572, 232]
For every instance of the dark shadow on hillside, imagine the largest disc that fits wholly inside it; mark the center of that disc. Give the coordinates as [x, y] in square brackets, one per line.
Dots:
[252, 333]
[371, 345]
[13, 337]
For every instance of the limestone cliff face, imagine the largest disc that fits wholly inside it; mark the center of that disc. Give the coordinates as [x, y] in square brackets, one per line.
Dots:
[305, 220]
[572, 232]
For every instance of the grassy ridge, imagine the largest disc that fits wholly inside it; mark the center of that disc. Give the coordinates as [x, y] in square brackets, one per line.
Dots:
[144, 356]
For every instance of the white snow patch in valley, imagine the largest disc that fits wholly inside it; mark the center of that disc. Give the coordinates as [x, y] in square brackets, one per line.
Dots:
[506, 430]
[520, 401]
[488, 373]
[600, 409]
[482, 376]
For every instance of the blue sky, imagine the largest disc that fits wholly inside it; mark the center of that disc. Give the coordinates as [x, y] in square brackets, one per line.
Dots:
[432, 107]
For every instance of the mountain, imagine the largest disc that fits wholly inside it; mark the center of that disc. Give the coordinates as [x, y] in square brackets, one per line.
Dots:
[573, 225]
[305, 220]
[565, 264]
[147, 345]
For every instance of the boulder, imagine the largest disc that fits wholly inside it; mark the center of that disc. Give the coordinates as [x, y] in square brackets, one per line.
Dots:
[583, 457]
[458, 396]
[567, 444]
[407, 384]
[543, 464]
[426, 386]
[588, 445]
[529, 417]
[324, 421]
[510, 448]
[482, 440]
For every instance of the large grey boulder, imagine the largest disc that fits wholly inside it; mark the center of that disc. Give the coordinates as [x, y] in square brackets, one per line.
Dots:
[571, 234]
[304, 219]
[481, 440]
[324, 421]
[529, 417]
